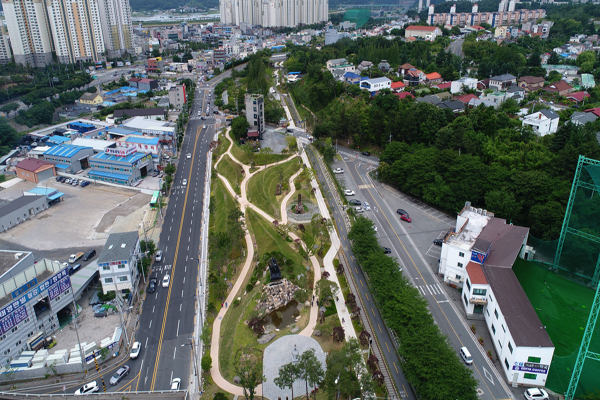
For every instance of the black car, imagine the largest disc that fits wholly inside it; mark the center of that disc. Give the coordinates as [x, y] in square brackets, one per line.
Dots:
[438, 242]
[365, 153]
[355, 202]
[89, 255]
[58, 178]
[386, 250]
[152, 285]
[401, 211]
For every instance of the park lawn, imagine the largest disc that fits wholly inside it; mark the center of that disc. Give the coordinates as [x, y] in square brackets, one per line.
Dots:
[259, 159]
[262, 187]
[269, 240]
[224, 144]
[223, 204]
[232, 171]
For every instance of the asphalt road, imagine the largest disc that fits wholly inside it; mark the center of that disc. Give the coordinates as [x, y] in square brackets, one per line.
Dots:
[411, 244]
[456, 48]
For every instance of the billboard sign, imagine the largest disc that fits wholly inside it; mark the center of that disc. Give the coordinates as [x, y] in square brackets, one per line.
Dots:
[531, 367]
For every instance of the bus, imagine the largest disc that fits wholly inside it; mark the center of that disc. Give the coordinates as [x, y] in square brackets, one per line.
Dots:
[154, 202]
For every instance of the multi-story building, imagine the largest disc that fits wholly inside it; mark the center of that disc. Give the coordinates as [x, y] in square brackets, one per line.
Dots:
[255, 112]
[76, 32]
[268, 13]
[117, 264]
[115, 20]
[30, 35]
[120, 164]
[5, 53]
[177, 95]
[495, 19]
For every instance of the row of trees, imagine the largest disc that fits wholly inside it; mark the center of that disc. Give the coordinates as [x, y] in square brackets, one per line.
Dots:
[308, 368]
[428, 361]
[42, 111]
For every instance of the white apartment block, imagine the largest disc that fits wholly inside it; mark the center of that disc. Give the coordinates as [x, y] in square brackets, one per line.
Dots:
[115, 19]
[478, 256]
[117, 264]
[271, 13]
[76, 30]
[27, 23]
[5, 53]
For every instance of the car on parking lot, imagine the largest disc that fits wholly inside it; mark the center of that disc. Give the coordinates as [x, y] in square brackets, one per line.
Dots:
[189, 155]
[365, 153]
[349, 192]
[158, 256]
[359, 209]
[135, 350]
[338, 171]
[68, 180]
[152, 285]
[119, 375]
[91, 387]
[386, 250]
[404, 215]
[355, 202]
[184, 182]
[535, 394]
[75, 182]
[175, 384]
[58, 178]
[166, 281]
[438, 242]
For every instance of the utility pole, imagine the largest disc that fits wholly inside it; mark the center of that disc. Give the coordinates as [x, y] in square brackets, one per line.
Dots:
[77, 333]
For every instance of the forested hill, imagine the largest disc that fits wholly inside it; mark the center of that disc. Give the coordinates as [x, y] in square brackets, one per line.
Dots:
[148, 5]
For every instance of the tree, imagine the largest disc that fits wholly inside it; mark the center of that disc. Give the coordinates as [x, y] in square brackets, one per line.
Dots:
[311, 370]
[239, 127]
[220, 396]
[326, 289]
[288, 374]
[170, 169]
[206, 363]
[338, 334]
[346, 366]
[148, 246]
[291, 142]
[250, 373]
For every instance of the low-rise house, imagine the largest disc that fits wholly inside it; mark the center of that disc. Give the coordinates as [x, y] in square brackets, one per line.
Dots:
[430, 98]
[462, 84]
[531, 83]
[364, 66]
[414, 77]
[543, 122]
[582, 118]
[383, 66]
[587, 81]
[562, 88]
[335, 63]
[91, 99]
[517, 92]
[398, 86]
[404, 95]
[423, 32]
[443, 86]
[404, 68]
[578, 97]
[595, 111]
[454, 105]
[502, 82]
[433, 78]
[351, 77]
[376, 84]
[466, 98]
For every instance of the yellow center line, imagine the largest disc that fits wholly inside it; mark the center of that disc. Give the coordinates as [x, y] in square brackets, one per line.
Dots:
[417, 268]
[162, 330]
[387, 347]
[367, 296]
[373, 311]
[380, 331]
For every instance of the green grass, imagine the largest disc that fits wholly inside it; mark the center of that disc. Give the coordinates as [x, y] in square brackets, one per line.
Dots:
[259, 159]
[262, 187]
[224, 144]
[563, 307]
[232, 172]
[223, 204]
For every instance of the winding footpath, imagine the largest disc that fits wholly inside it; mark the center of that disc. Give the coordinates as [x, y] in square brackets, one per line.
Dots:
[328, 261]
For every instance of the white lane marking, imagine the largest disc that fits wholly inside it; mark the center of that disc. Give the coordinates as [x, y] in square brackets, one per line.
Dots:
[146, 345]
[180, 306]
[488, 376]
[184, 279]
[181, 292]
[156, 296]
[150, 324]
[153, 309]
[177, 334]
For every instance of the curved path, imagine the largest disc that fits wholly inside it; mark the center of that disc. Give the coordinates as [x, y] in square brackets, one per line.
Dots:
[244, 204]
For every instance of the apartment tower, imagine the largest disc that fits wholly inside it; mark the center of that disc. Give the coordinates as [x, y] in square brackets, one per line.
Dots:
[115, 18]
[274, 13]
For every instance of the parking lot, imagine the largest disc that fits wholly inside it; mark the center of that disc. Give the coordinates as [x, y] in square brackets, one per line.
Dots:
[84, 218]
[274, 138]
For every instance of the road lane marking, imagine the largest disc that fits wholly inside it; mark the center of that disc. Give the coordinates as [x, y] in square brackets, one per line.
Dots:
[387, 347]
[153, 308]
[367, 296]
[177, 334]
[380, 328]
[150, 324]
[146, 345]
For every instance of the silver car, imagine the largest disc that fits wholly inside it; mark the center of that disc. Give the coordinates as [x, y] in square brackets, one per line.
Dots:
[119, 375]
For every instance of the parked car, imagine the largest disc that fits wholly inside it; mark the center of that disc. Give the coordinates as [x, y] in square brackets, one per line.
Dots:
[158, 256]
[175, 384]
[386, 250]
[83, 183]
[438, 242]
[166, 281]
[535, 394]
[365, 153]
[152, 285]
[74, 182]
[135, 350]
[119, 375]
[89, 255]
[355, 202]
[338, 171]
[404, 215]
[91, 387]
[58, 178]
[359, 210]
[349, 192]
[67, 180]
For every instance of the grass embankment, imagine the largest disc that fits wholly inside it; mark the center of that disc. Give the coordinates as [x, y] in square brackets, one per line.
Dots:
[259, 159]
[224, 144]
[223, 205]
[262, 187]
[232, 171]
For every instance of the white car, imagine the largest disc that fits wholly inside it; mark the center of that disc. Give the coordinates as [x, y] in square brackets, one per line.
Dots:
[166, 281]
[349, 192]
[338, 171]
[158, 256]
[184, 183]
[367, 206]
[359, 209]
[135, 350]
[535, 394]
[175, 383]
[88, 388]
[189, 155]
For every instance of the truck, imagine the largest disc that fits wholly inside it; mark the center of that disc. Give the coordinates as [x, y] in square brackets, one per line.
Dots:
[75, 257]
[36, 342]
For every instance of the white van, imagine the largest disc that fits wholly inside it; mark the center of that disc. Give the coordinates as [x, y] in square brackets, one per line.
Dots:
[466, 356]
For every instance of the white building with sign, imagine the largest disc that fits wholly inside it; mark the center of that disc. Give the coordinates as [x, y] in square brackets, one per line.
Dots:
[117, 264]
[478, 256]
[164, 131]
[121, 164]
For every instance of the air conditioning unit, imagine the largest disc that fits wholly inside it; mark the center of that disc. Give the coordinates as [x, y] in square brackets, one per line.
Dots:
[527, 253]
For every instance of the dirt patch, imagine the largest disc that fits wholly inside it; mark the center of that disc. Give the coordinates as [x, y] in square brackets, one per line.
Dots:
[132, 204]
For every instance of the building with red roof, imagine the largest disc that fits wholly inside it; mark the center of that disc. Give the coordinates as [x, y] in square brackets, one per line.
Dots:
[578, 97]
[466, 98]
[404, 95]
[433, 78]
[595, 111]
[443, 86]
[35, 170]
[398, 86]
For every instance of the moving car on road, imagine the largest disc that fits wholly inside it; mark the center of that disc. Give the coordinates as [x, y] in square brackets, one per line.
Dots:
[355, 202]
[386, 250]
[175, 384]
[152, 285]
[119, 375]
[135, 350]
[158, 255]
[189, 155]
[166, 281]
[349, 192]
[365, 153]
[338, 171]
[367, 207]
[91, 387]
[184, 183]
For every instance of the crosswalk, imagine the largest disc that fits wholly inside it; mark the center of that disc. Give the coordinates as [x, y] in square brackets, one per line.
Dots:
[430, 290]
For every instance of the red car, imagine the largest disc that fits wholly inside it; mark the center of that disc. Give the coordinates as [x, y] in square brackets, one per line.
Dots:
[403, 215]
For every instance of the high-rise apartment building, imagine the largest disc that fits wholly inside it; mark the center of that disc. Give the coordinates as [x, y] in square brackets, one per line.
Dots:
[30, 36]
[273, 13]
[115, 18]
[5, 53]
[255, 111]
[76, 31]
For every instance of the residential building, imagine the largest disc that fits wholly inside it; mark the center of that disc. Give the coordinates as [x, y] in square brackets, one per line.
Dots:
[587, 81]
[92, 99]
[30, 36]
[397, 86]
[336, 63]
[332, 36]
[430, 98]
[20, 210]
[35, 170]
[121, 164]
[148, 113]
[177, 96]
[286, 13]
[543, 122]
[466, 98]
[147, 84]
[364, 66]
[69, 158]
[351, 77]
[578, 97]
[404, 68]
[117, 29]
[255, 112]
[384, 66]
[514, 17]
[463, 84]
[423, 32]
[404, 95]
[376, 84]
[562, 88]
[414, 77]
[433, 78]
[531, 83]
[455, 106]
[153, 65]
[5, 52]
[502, 82]
[76, 30]
[582, 118]
[117, 264]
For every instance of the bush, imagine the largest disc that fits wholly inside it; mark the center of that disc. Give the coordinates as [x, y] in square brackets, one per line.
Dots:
[297, 185]
[249, 287]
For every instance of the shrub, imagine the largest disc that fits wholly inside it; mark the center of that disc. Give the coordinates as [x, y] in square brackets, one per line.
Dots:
[249, 287]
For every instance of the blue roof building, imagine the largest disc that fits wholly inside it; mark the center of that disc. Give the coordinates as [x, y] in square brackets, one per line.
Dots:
[57, 140]
[81, 127]
[120, 164]
[69, 158]
[351, 77]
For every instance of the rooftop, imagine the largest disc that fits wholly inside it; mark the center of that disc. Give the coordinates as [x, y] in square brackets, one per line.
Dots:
[469, 225]
[9, 259]
[476, 275]
[433, 75]
[118, 247]
[421, 28]
[506, 242]
[150, 141]
[66, 150]
[32, 164]
[96, 144]
[140, 112]
[131, 158]
[17, 203]
[89, 96]
[558, 86]
[503, 77]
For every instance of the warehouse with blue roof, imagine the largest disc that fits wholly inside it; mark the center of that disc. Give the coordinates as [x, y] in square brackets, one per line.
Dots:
[121, 164]
[69, 158]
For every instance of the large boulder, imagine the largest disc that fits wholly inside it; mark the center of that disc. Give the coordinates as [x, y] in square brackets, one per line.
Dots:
[264, 339]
